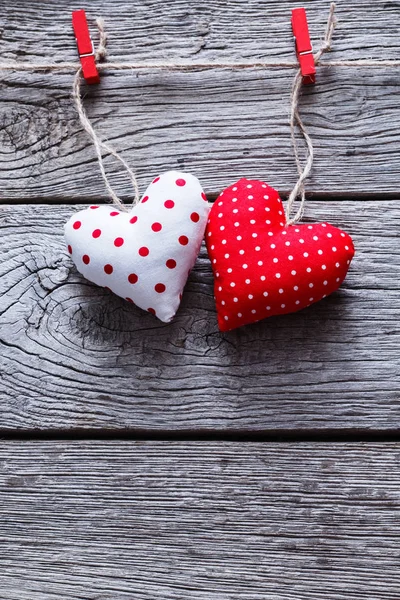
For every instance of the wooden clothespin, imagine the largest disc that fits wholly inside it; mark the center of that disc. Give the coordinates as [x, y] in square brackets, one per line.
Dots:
[303, 45]
[85, 47]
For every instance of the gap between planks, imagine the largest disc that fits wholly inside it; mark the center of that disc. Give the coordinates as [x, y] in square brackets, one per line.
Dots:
[343, 435]
[212, 196]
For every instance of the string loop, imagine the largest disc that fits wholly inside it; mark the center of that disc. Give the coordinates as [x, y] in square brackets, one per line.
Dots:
[99, 144]
[296, 121]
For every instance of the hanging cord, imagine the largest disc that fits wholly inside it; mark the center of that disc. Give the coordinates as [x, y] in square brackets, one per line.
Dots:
[101, 53]
[185, 66]
[296, 121]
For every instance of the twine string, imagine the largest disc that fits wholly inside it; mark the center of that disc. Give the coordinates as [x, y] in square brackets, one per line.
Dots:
[296, 121]
[192, 66]
[101, 51]
[99, 144]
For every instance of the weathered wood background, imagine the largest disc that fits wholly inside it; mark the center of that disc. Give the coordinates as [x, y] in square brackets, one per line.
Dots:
[107, 520]
[132, 517]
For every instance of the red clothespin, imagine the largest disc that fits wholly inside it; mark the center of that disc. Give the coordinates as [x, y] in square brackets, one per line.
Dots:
[85, 47]
[303, 45]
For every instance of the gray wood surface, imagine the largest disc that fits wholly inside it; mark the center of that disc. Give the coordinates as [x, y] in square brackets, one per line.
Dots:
[176, 520]
[114, 520]
[218, 124]
[73, 355]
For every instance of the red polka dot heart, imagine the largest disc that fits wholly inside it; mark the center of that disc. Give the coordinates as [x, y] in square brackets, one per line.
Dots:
[144, 255]
[262, 267]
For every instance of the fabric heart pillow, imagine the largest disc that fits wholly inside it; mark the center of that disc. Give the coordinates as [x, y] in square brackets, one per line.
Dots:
[144, 255]
[263, 267]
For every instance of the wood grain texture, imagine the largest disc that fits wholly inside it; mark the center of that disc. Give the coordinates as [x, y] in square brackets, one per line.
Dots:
[220, 125]
[75, 356]
[107, 521]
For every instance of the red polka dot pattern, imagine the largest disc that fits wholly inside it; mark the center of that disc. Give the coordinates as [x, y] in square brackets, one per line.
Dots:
[144, 251]
[145, 254]
[263, 267]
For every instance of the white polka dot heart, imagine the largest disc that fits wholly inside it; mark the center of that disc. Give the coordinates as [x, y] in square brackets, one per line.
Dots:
[263, 267]
[144, 255]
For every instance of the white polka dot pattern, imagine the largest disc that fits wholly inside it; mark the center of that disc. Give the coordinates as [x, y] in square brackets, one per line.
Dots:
[262, 267]
[144, 255]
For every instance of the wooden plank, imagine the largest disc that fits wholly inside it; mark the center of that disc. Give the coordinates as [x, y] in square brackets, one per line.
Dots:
[113, 520]
[218, 124]
[211, 29]
[75, 356]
